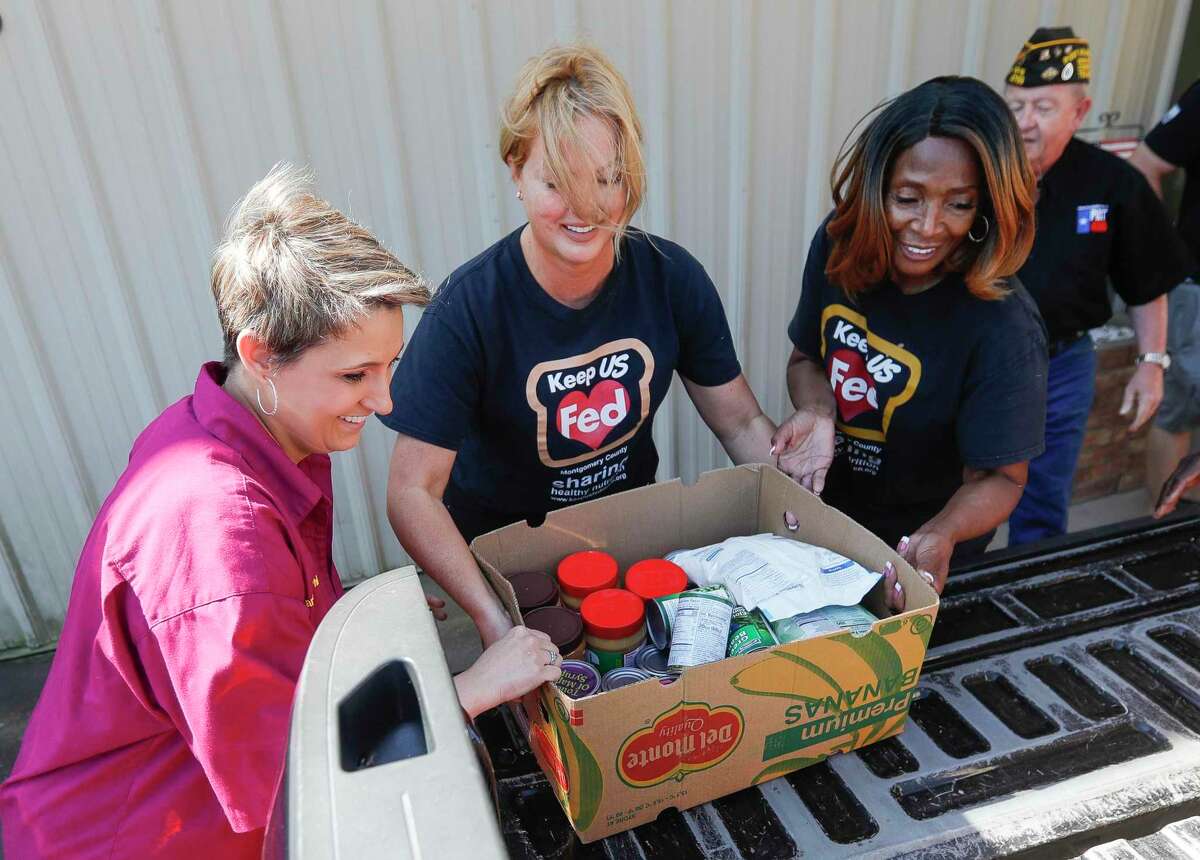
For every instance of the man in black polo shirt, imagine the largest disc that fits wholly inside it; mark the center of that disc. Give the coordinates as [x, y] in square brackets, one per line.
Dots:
[1098, 220]
[1170, 145]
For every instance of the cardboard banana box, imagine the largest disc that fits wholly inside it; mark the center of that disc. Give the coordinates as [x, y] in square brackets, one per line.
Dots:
[618, 759]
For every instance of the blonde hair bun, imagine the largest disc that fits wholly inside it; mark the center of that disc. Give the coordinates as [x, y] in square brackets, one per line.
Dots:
[295, 270]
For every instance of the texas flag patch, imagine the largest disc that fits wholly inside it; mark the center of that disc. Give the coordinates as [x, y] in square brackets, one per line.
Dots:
[1091, 218]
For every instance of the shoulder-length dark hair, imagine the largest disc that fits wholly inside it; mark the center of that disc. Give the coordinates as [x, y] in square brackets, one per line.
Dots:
[958, 107]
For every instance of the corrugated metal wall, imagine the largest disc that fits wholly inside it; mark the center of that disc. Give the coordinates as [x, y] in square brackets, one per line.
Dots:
[128, 129]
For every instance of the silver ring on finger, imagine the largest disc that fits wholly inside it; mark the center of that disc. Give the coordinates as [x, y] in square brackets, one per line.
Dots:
[553, 657]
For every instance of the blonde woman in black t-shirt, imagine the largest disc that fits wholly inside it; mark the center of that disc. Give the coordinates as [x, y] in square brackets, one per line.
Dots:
[534, 376]
[919, 368]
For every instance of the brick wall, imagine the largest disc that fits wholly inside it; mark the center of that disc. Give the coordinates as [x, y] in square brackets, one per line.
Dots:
[1111, 461]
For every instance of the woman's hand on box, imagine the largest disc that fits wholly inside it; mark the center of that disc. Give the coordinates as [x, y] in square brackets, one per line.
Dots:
[521, 660]
[803, 445]
[893, 591]
[929, 552]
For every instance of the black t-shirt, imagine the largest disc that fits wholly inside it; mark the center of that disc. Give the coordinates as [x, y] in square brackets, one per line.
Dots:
[1177, 139]
[923, 384]
[1097, 218]
[546, 405]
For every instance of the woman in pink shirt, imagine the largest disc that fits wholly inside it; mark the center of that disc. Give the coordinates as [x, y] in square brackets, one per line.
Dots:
[163, 725]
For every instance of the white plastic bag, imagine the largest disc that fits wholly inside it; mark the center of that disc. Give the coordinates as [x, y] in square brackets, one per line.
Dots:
[779, 576]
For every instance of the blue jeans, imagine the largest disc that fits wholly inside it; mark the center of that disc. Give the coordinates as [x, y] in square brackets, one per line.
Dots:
[1070, 386]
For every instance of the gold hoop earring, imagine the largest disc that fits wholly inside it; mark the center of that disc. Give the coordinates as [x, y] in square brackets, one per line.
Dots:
[274, 394]
[986, 227]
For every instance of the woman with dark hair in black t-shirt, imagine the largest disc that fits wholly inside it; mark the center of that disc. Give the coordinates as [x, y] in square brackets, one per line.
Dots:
[533, 379]
[919, 368]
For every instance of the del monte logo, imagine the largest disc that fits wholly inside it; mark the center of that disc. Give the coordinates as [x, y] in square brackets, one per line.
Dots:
[691, 736]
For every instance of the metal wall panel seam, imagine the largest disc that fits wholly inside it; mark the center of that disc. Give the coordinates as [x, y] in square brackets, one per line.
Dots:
[80, 496]
[370, 537]
[48, 454]
[655, 113]
[163, 60]
[1049, 15]
[566, 21]
[15, 593]
[194, 188]
[31, 341]
[269, 36]
[741, 36]
[1174, 47]
[481, 115]
[820, 98]
[353, 479]
[392, 159]
[382, 83]
[900, 48]
[741, 135]
[1103, 84]
[113, 272]
[973, 40]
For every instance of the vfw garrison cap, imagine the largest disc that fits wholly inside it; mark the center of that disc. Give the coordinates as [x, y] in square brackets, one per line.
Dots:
[1052, 55]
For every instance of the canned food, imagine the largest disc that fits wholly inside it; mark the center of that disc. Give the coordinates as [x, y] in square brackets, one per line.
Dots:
[750, 633]
[700, 629]
[622, 676]
[827, 619]
[578, 679]
[660, 614]
[653, 661]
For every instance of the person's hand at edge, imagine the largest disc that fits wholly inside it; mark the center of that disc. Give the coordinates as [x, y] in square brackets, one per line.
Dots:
[929, 552]
[1185, 476]
[893, 590]
[1145, 391]
[803, 446]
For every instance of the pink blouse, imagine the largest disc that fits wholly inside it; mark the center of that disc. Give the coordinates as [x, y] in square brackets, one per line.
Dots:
[163, 726]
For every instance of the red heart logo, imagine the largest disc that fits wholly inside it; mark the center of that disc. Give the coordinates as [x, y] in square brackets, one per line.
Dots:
[590, 419]
[850, 386]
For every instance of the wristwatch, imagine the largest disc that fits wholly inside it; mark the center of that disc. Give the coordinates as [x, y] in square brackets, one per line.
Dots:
[1162, 359]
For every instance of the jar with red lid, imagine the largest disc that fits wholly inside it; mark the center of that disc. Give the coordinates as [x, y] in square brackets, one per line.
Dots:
[563, 626]
[614, 621]
[582, 573]
[655, 577]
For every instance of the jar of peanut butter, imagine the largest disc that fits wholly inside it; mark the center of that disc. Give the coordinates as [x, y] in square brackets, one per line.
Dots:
[655, 577]
[615, 624]
[582, 573]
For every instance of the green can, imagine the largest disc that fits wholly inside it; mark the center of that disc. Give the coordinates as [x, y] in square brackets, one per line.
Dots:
[660, 614]
[749, 632]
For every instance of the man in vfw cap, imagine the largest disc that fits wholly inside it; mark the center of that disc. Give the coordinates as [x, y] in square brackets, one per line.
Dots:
[1097, 221]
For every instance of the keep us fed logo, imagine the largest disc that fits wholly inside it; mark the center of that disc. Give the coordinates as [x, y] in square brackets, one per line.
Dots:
[590, 403]
[871, 377]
